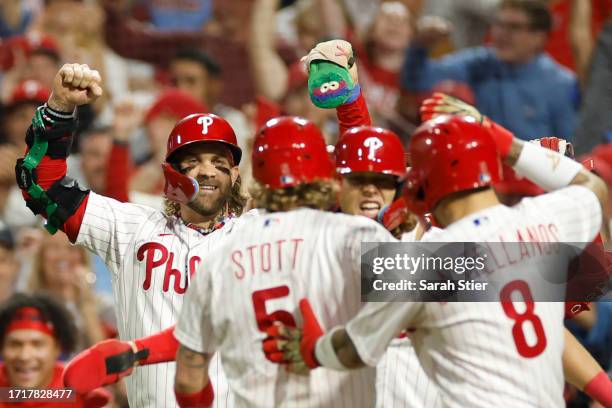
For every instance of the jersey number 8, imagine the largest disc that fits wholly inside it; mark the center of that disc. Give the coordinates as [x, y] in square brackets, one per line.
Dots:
[505, 295]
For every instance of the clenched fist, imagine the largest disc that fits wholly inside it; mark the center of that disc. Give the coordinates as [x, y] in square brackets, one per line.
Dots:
[74, 85]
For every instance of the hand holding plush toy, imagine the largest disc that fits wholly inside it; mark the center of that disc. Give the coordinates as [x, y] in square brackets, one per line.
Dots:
[332, 74]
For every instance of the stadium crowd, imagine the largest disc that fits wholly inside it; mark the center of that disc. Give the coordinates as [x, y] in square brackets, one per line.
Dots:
[537, 68]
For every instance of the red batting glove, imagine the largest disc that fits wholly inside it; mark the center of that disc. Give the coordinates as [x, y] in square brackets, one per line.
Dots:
[553, 143]
[103, 363]
[306, 337]
[600, 389]
[394, 214]
[442, 104]
[201, 399]
[311, 332]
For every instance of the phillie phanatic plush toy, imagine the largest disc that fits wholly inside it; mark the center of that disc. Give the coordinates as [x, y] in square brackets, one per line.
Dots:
[332, 75]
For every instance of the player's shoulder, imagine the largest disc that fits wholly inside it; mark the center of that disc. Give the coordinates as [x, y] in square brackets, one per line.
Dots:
[571, 196]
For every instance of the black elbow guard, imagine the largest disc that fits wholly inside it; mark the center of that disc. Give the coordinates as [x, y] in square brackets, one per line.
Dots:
[58, 203]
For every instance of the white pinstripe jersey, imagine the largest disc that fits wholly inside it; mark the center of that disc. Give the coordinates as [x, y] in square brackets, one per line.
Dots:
[260, 273]
[475, 353]
[151, 257]
[401, 380]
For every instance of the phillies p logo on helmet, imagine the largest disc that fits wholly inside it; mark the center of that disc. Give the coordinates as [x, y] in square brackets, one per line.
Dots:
[205, 121]
[373, 144]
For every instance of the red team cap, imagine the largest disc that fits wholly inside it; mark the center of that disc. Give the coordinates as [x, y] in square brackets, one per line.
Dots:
[449, 154]
[289, 151]
[195, 128]
[370, 149]
[30, 91]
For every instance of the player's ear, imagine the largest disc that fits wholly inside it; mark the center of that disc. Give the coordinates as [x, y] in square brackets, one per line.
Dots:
[234, 174]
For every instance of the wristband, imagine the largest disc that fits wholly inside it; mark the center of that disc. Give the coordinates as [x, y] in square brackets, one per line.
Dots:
[325, 353]
[200, 399]
[600, 389]
[546, 168]
[503, 138]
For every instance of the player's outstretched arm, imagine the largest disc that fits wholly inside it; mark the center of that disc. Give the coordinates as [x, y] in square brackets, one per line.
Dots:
[192, 387]
[108, 361]
[583, 372]
[41, 174]
[550, 170]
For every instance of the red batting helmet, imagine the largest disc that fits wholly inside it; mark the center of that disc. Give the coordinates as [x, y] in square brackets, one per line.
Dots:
[289, 151]
[196, 128]
[369, 148]
[449, 154]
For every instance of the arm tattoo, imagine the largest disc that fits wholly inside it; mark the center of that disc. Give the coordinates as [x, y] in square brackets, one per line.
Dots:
[190, 358]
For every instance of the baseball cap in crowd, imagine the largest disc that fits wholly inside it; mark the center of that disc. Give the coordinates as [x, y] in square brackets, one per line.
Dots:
[28, 45]
[30, 91]
[297, 78]
[174, 102]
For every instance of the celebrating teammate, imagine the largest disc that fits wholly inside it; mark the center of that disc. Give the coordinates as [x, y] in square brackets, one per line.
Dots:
[455, 160]
[298, 249]
[150, 254]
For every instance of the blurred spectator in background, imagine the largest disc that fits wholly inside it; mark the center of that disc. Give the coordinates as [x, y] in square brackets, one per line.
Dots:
[9, 265]
[95, 148]
[176, 15]
[16, 117]
[515, 83]
[32, 56]
[470, 19]
[380, 50]
[595, 121]
[15, 17]
[17, 113]
[280, 89]
[35, 330]
[198, 74]
[64, 271]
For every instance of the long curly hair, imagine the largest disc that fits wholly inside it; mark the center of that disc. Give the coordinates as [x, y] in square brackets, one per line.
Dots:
[319, 195]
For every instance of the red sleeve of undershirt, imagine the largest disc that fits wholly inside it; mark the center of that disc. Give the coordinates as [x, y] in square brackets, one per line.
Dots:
[353, 114]
[48, 172]
[162, 346]
[118, 173]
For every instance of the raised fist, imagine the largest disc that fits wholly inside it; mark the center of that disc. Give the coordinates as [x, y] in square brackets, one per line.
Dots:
[74, 85]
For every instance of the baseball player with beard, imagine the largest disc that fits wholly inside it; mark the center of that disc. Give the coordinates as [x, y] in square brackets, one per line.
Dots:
[461, 199]
[151, 255]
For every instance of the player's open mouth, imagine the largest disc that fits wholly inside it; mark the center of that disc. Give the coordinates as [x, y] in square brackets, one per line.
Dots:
[370, 208]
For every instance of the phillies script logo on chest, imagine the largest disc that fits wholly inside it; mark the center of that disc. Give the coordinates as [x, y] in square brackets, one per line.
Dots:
[157, 257]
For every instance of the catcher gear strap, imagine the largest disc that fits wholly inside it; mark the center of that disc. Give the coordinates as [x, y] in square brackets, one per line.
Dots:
[124, 361]
[64, 196]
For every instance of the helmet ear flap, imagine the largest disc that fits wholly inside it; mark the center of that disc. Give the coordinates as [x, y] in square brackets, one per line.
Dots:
[414, 193]
[179, 187]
